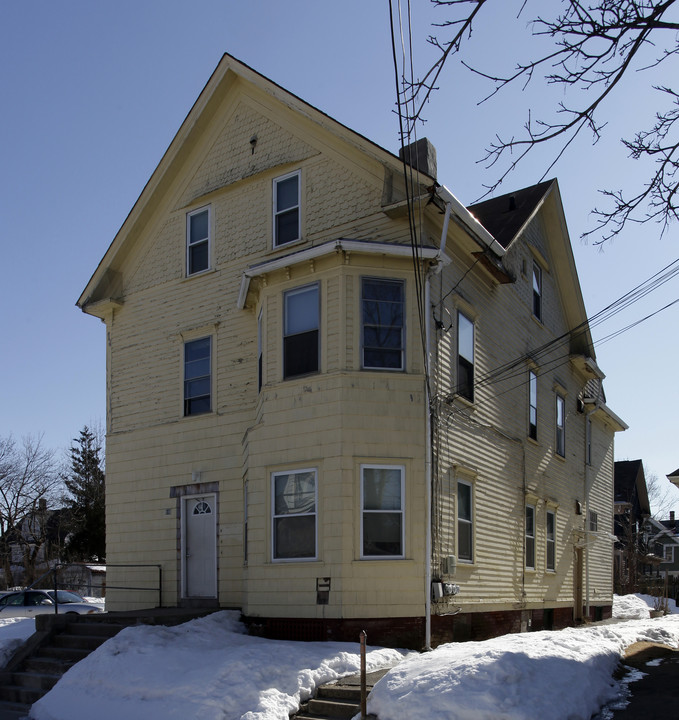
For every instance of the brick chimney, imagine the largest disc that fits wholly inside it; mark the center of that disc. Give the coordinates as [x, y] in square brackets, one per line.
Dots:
[420, 155]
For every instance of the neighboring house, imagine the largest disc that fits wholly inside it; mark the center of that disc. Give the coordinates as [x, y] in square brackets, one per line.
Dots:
[663, 536]
[312, 420]
[631, 510]
[674, 477]
[35, 544]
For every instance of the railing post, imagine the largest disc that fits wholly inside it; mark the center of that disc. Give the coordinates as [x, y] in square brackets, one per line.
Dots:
[364, 694]
[56, 597]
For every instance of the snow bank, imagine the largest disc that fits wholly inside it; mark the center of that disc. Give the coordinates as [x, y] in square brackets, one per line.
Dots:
[637, 607]
[564, 675]
[207, 668]
[13, 632]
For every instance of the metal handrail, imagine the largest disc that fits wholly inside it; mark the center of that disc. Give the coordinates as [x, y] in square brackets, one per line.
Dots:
[59, 566]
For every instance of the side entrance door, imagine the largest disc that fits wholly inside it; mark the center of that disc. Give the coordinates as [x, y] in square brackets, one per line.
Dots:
[199, 546]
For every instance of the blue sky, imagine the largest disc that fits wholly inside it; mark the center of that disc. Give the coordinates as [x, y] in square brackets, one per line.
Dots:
[93, 93]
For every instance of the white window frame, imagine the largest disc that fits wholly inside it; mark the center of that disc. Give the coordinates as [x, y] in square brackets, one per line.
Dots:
[402, 349]
[209, 375]
[532, 405]
[593, 521]
[467, 521]
[560, 429]
[208, 240]
[529, 537]
[460, 356]
[536, 295]
[550, 540]
[389, 511]
[668, 553]
[277, 212]
[290, 293]
[274, 516]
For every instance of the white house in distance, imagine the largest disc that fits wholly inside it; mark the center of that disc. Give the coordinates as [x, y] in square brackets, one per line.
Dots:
[337, 399]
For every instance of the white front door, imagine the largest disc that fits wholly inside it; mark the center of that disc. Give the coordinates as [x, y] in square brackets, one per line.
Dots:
[199, 546]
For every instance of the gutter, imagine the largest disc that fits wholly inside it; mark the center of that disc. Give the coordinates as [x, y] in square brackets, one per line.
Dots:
[334, 246]
[471, 224]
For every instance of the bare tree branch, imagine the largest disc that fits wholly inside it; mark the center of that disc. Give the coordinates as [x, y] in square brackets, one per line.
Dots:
[595, 46]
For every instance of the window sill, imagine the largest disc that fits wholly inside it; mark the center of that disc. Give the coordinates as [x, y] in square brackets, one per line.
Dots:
[202, 273]
[285, 246]
[560, 457]
[193, 416]
[287, 561]
[461, 400]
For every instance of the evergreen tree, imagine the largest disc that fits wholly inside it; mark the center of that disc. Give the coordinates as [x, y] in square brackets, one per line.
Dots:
[86, 499]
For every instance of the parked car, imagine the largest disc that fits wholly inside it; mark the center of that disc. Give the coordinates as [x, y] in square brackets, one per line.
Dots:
[29, 603]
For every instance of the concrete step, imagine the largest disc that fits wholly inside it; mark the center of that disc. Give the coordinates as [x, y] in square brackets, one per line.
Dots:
[13, 711]
[47, 665]
[349, 693]
[331, 708]
[65, 654]
[19, 694]
[35, 680]
[99, 629]
[79, 642]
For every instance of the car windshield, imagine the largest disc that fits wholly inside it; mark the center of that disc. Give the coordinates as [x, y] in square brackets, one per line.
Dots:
[63, 596]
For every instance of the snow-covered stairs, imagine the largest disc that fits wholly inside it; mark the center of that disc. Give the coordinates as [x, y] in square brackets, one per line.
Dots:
[46, 659]
[341, 699]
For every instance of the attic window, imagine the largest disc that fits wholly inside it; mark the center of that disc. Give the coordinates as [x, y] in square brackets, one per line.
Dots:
[198, 241]
[286, 209]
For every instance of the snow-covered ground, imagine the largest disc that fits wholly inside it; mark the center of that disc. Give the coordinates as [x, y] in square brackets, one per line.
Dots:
[209, 668]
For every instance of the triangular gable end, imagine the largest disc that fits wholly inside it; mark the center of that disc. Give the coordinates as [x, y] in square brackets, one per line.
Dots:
[509, 217]
[197, 124]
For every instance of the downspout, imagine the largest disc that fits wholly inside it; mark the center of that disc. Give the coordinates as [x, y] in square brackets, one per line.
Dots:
[442, 260]
[588, 439]
[427, 471]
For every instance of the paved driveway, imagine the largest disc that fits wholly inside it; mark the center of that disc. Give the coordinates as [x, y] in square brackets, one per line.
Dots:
[655, 696]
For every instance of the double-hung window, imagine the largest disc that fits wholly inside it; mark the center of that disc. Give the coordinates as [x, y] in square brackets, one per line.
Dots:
[465, 357]
[465, 522]
[198, 241]
[560, 426]
[550, 522]
[532, 405]
[530, 537]
[294, 502]
[198, 376]
[286, 209]
[300, 332]
[382, 323]
[593, 521]
[382, 511]
[537, 291]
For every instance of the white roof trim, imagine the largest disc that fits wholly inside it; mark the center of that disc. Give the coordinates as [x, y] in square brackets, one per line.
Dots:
[341, 245]
[471, 223]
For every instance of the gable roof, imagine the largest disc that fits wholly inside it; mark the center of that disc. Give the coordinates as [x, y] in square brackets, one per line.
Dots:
[507, 215]
[630, 484]
[105, 284]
